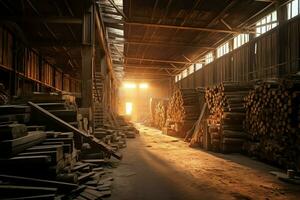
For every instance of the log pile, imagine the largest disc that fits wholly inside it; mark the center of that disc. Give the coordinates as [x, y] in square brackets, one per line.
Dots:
[273, 121]
[227, 113]
[195, 135]
[183, 110]
[160, 114]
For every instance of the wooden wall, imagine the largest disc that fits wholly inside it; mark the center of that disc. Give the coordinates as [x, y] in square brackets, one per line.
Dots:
[30, 71]
[273, 54]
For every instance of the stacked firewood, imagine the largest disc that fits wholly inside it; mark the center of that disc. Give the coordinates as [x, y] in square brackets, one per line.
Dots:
[160, 117]
[225, 123]
[183, 110]
[273, 121]
[3, 95]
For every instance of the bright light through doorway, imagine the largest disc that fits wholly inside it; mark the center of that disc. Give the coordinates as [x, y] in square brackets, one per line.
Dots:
[128, 108]
[143, 85]
[129, 85]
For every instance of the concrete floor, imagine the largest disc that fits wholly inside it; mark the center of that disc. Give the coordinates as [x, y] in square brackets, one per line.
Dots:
[159, 167]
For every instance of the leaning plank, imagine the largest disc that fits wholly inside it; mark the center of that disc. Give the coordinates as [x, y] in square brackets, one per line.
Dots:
[94, 141]
[61, 186]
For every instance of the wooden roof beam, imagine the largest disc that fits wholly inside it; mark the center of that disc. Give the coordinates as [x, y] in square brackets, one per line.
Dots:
[169, 44]
[234, 31]
[117, 9]
[160, 60]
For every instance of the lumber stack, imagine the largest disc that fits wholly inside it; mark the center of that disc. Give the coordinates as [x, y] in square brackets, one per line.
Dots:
[40, 164]
[3, 95]
[183, 110]
[273, 121]
[227, 113]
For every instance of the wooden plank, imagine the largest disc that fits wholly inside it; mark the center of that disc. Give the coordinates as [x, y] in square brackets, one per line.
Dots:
[11, 191]
[92, 140]
[95, 161]
[12, 131]
[61, 186]
[85, 177]
[21, 160]
[55, 157]
[35, 197]
[12, 147]
[79, 167]
[45, 148]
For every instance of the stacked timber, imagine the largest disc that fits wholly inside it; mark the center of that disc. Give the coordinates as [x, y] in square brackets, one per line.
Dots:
[227, 113]
[3, 95]
[36, 163]
[273, 121]
[183, 110]
[195, 135]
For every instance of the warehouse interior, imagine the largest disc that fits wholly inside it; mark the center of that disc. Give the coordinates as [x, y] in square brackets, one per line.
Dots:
[143, 100]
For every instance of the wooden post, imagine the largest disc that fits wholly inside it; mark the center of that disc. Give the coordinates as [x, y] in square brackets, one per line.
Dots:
[87, 52]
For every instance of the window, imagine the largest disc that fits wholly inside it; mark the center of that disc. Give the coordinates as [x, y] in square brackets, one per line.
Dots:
[239, 40]
[209, 58]
[191, 69]
[198, 66]
[184, 73]
[223, 49]
[293, 9]
[266, 23]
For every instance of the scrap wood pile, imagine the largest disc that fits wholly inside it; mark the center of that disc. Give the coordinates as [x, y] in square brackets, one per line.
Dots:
[273, 121]
[227, 113]
[40, 164]
[3, 95]
[183, 110]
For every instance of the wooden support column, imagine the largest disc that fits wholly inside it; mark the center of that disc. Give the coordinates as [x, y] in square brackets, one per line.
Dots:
[282, 40]
[87, 52]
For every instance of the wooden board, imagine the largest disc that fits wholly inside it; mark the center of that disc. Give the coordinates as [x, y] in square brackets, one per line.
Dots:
[61, 186]
[12, 147]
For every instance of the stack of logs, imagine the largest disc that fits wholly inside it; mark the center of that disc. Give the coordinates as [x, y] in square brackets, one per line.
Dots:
[3, 95]
[160, 114]
[183, 110]
[195, 135]
[273, 121]
[227, 113]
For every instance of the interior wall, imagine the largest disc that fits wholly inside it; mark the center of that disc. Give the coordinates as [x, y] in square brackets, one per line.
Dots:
[273, 54]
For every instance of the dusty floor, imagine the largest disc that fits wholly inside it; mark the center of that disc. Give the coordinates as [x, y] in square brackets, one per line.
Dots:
[159, 167]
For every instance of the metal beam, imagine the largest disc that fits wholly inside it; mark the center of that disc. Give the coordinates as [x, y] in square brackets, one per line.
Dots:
[186, 27]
